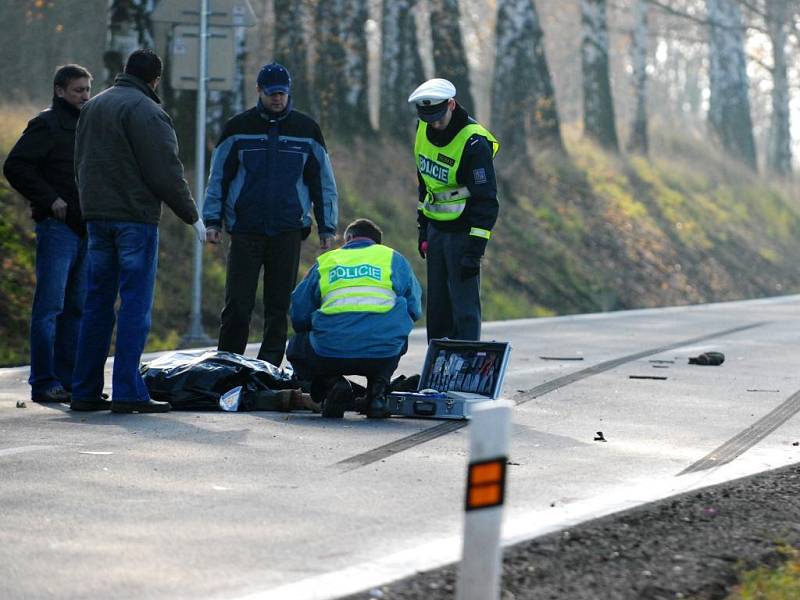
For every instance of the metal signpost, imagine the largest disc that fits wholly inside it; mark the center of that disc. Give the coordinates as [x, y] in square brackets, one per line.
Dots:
[227, 13]
[479, 572]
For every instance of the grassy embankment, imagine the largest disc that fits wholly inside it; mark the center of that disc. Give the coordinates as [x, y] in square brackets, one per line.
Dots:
[587, 232]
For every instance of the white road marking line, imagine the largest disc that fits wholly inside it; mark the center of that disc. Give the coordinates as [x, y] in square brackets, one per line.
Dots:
[22, 449]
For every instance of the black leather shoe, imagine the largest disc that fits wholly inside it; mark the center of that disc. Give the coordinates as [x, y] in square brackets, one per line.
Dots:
[53, 395]
[149, 406]
[337, 399]
[377, 405]
[89, 405]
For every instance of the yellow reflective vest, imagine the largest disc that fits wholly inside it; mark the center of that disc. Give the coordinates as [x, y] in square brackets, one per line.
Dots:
[438, 165]
[356, 280]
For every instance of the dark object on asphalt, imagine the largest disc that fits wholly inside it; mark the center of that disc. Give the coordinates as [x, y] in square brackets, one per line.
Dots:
[151, 406]
[90, 405]
[711, 359]
[657, 377]
[340, 396]
[599, 437]
[561, 357]
[55, 395]
[21, 404]
[795, 443]
[189, 381]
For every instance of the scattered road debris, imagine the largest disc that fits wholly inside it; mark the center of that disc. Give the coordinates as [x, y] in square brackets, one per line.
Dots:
[657, 360]
[795, 443]
[561, 357]
[657, 377]
[660, 367]
[758, 390]
[711, 359]
[599, 437]
[508, 462]
[21, 404]
[96, 453]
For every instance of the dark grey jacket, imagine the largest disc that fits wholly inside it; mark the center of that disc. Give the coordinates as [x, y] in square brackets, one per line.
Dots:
[126, 157]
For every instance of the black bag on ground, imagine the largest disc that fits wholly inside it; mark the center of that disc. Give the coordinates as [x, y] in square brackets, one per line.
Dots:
[189, 381]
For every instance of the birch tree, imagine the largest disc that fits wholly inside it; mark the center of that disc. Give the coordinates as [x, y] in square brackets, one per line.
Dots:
[401, 68]
[449, 58]
[729, 103]
[523, 103]
[639, 43]
[291, 47]
[598, 106]
[341, 66]
[779, 151]
[129, 28]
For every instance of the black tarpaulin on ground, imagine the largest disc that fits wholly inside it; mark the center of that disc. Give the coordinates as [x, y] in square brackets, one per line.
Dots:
[190, 381]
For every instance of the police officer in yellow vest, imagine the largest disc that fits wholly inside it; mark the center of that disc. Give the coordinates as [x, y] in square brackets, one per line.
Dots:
[352, 315]
[457, 210]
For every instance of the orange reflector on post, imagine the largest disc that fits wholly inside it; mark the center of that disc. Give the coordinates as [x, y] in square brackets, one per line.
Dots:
[486, 483]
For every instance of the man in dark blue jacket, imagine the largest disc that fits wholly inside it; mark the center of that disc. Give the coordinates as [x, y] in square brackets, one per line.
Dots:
[40, 167]
[352, 314]
[269, 172]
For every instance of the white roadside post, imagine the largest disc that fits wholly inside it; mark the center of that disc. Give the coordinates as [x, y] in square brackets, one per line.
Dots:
[479, 572]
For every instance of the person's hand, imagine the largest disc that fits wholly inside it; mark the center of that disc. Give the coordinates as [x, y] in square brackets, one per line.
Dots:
[326, 241]
[422, 244]
[470, 267]
[200, 228]
[59, 209]
[213, 235]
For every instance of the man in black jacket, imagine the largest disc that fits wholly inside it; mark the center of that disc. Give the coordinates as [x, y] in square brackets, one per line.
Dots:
[40, 167]
[126, 166]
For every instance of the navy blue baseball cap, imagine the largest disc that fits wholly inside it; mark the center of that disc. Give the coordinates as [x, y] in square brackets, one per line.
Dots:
[274, 78]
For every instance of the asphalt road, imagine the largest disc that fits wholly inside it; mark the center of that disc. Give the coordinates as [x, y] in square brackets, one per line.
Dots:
[270, 505]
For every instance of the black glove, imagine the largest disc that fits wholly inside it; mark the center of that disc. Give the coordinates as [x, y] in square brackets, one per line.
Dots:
[470, 266]
[422, 244]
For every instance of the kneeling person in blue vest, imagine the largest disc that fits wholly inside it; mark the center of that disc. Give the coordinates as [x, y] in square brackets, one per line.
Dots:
[352, 315]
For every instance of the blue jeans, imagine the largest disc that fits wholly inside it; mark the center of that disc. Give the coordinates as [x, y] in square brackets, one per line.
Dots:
[123, 258]
[61, 275]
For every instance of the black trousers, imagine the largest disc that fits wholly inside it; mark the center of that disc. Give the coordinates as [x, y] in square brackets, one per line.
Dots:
[310, 366]
[454, 304]
[279, 255]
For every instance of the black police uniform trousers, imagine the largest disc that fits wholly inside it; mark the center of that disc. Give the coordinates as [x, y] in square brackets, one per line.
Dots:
[279, 256]
[320, 370]
[454, 304]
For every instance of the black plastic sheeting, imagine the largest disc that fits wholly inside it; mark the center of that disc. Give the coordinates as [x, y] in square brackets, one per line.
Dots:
[189, 381]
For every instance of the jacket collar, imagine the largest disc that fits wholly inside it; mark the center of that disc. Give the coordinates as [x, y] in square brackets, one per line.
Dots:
[458, 121]
[271, 116]
[126, 80]
[66, 113]
[359, 242]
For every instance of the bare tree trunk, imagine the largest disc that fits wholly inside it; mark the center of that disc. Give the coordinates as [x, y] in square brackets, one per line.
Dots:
[729, 104]
[341, 68]
[449, 58]
[523, 104]
[779, 154]
[129, 28]
[598, 106]
[638, 141]
[401, 68]
[291, 48]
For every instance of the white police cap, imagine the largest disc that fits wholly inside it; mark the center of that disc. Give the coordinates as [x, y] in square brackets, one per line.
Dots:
[431, 98]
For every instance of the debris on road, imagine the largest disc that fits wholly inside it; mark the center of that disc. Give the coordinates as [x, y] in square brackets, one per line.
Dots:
[711, 359]
[21, 404]
[657, 360]
[599, 437]
[657, 377]
[758, 390]
[561, 357]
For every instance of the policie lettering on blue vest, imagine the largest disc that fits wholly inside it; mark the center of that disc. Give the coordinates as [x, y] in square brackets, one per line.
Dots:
[432, 169]
[354, 272]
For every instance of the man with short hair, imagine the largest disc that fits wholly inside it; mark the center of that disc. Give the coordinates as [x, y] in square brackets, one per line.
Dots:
[40, 167]
[352, 314]
[127, 165]
[269, 172]
[457, 207]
